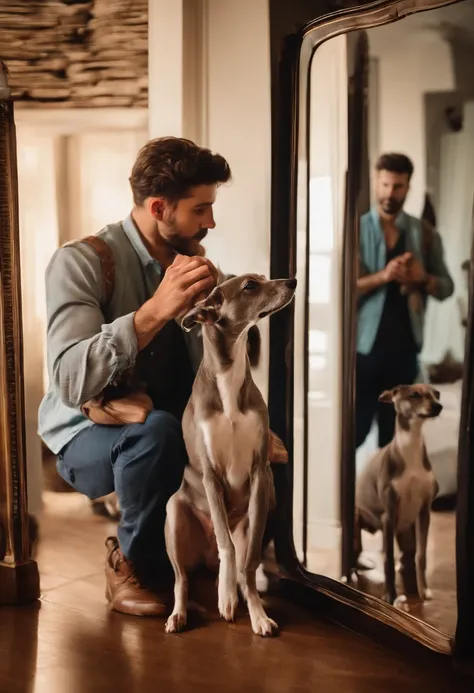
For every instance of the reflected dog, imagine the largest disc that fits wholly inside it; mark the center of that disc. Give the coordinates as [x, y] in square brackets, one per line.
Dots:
[395, 490]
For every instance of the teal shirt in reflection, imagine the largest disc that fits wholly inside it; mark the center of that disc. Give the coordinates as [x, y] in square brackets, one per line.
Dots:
[372, 258]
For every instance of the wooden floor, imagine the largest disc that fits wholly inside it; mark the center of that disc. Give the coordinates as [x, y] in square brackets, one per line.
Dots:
[71, 643]
[441, 611]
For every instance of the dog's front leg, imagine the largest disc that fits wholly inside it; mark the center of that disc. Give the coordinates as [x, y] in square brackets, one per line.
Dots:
[388, 524]
[260, 497]
[227, 585]
[422, 529]
[407, 544]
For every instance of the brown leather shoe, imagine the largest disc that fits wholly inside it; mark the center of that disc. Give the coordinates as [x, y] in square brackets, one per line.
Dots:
[124, 590]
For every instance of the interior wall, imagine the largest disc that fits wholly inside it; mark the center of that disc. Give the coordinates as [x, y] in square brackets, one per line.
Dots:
[230, 114]
[239, 127]
[410, 64]
[443, 329]
[436, 127]
[98, 168]
[73, 170]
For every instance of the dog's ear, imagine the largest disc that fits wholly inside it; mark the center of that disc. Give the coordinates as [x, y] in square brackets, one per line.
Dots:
[207, 311]
[388, 396]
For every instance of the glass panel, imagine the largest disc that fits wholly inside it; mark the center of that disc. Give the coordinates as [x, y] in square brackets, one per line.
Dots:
[320, 308]
[410, 318]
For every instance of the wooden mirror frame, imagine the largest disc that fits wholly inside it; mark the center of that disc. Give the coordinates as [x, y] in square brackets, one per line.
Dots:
[363, 613]
[19, 578]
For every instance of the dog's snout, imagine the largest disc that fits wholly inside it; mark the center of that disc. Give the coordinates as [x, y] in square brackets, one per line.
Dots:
[437, 407]
[291, 283]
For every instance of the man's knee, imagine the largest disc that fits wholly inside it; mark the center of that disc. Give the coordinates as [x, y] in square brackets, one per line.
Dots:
[157, 443]
[160, 425]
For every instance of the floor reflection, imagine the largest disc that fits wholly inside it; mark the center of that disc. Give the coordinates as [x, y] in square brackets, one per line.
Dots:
[441, 611]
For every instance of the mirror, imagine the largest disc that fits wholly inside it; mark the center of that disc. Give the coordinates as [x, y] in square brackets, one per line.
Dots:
[385, 197]
[317, 416]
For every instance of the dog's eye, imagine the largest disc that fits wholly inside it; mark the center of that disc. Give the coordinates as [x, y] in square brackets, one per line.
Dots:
[415, 395]
[251, 285]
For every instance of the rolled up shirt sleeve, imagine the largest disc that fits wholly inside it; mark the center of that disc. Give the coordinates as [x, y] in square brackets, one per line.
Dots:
[436, 266]
[84, 353]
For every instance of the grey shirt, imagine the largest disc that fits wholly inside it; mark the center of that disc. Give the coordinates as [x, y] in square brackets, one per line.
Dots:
[88, 345]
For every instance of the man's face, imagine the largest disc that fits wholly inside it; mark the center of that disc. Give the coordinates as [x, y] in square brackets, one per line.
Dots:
[391, 190]
[184, 225]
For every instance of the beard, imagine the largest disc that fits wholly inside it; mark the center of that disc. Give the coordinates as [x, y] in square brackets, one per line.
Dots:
[391, 205]
[189, 246]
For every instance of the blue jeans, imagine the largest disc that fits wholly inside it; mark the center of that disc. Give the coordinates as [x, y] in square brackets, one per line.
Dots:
[144, 465]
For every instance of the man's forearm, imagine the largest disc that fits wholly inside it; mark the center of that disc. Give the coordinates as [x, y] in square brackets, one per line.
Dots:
[147, 323]
[439, 287]
[370, 282]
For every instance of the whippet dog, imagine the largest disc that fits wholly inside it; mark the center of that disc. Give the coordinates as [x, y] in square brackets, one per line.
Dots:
[395, 490]
[218, 515]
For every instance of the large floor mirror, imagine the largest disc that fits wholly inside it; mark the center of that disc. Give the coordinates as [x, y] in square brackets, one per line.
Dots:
[381, 213]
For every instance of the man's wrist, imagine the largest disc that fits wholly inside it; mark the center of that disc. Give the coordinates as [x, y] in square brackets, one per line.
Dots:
[429, 284]
[148, 321]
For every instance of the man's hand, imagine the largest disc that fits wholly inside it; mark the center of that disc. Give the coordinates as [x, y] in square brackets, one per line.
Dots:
[395, 270]
[184, 281]
[201, 252]
[415, 274]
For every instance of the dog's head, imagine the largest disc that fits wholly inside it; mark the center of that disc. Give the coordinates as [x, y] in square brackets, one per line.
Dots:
[414, 401]
[240, 302]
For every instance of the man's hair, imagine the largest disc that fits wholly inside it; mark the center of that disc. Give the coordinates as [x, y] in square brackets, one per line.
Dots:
[169, 166]
[395, 163]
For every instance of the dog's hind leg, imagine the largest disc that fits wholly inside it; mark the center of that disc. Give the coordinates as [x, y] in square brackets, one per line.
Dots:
[422, 529]
[260, 496]
[185, 545]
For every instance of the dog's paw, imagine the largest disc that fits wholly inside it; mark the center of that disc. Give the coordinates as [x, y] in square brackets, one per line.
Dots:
[264, 626]
[427, 595]
[176, 623]
[402, 603]
[228, 604]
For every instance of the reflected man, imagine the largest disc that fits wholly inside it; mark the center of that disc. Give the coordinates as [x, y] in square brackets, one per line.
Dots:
[401, 263]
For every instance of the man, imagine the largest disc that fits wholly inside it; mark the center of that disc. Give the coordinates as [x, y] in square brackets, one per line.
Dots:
[401, 264]
[160, 272]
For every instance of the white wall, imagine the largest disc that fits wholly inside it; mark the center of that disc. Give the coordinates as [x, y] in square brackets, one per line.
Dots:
[231, 116]
[410, 64]
[443, 329]
[238, 126]
[73, 169]
[99, 166]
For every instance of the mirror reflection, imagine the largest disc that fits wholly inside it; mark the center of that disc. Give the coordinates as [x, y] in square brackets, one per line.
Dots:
[317, 424]
[415, 195]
